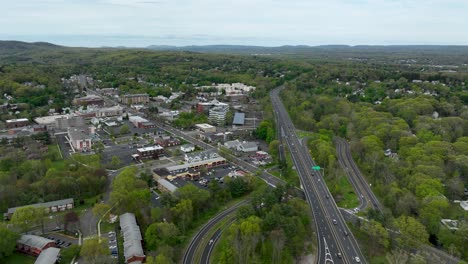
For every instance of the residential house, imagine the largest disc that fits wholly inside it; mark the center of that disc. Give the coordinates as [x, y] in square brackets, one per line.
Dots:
[50, 207]
[187, 148]
[232, 144]
[200, 156]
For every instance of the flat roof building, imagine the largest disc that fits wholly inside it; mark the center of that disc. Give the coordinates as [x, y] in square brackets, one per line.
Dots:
[135, 99]
[206, 128]
[239, 119]
[14, 123]
[48, 256]
[165, 186]
[80, 138]
[53, 206]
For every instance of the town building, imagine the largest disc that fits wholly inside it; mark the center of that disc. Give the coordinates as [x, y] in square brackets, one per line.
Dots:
[205, 128]
[239, 119]
[50, 207]
[89, 100]
[196, 165]
[247, 147]
[166, 141]
[165, 186]
[14, 123]
[33, 245]
[204, 107]
[48, 256]
[464, 205]
[217, 114]
[141, 122]
[80, 138]
[152, 152]
[130, 99]
[232, 144]
[110, 111]
[48, 121]
[65, 122]
[133, 249]
[109, 91]
[187, 148]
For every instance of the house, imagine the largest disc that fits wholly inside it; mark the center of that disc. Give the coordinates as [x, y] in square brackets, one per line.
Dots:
[133, 249]
[187, 148]
[206, 128]
[152, 152]
[49, 256]
[50, 207]
[14, 123]
[247, 147]
[141, 122]
[89, 100]
[130, 99]
[232, 144]
[33, 245]
[200, 156]
[80, 138]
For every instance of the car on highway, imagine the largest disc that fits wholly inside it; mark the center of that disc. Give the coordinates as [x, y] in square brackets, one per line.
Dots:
[211, 242]
[346, 233]
[334, 222]
[338, 254]
[357, 259]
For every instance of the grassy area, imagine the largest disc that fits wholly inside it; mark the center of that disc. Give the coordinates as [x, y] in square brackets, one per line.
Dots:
[303, 134]
[92, 160]
[344, 193]
[18, 258]
[88, 203]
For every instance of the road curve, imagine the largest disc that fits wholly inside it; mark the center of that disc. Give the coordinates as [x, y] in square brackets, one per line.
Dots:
[189, 253]
[362, 188]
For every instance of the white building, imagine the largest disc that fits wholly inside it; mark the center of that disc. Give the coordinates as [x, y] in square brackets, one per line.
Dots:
[247, 147]
[217, 114]
[187, 148]
[232, 144]
[206, 128]
[110, 111]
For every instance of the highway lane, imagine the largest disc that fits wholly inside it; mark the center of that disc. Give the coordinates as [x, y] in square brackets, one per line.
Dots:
[362, 188]
[197, 240]
[333, 235]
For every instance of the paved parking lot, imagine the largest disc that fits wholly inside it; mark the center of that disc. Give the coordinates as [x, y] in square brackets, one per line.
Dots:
[113, 248]
[61, 240]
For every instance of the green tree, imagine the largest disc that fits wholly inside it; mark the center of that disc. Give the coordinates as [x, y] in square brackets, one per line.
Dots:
[8, 241]
[125, 129]
[377, 233]
[92, 251]
[115, 162]
[183, 213]
[198, 196]
[161, 233]
[28, 217]
[129, 193]
[99, 209]
[412, 232]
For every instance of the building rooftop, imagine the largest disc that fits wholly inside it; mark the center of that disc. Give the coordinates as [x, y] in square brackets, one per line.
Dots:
[47, 205]
[193, 164]
[135, 95]
[78, 133]
[34, 241]
[17, 120]
[47, 120]
[204, 126]
[132, 236]
[246, 144]
[166, 184]
[152, 148]
[239, 119]
[48, 256]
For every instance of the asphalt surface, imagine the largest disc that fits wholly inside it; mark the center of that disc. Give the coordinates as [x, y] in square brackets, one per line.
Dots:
[362, 188]
[332, 232]
[198, 238]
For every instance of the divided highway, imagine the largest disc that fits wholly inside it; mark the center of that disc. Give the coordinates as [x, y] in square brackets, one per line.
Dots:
[336, 243]
[362, 188]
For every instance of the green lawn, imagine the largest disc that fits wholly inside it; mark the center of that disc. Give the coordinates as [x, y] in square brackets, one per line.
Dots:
[18, 258]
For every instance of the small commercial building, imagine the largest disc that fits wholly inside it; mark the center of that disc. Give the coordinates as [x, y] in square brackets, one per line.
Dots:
[133, 249]
[110, 111]
[206, 128]
[50, 207]
[239, 119]
[48, 256]
[89, 100]
[232, 144]
[15, 123]
[247, 147]
[167, 141]
[65, 122]
[130, 99]
[165, 186]
[33, 245]
[152, 152]
[208, 163]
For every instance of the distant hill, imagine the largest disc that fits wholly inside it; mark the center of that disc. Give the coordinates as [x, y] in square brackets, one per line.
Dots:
[19, 46]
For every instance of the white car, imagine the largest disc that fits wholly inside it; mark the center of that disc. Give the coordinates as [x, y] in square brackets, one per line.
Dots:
[357, 259]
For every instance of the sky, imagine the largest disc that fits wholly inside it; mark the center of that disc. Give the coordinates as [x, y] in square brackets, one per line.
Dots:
[140, 23]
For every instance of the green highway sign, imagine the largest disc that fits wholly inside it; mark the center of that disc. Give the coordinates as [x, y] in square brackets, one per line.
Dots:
[316, 167]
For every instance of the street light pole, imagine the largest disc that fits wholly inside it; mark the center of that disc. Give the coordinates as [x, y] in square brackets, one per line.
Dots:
[100, 220]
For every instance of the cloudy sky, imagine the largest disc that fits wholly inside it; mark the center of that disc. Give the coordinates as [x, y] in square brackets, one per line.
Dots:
[139, 23]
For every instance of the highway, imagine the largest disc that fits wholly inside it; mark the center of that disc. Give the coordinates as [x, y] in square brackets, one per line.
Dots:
[198, 239]
[362, 188]
[336, 244]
